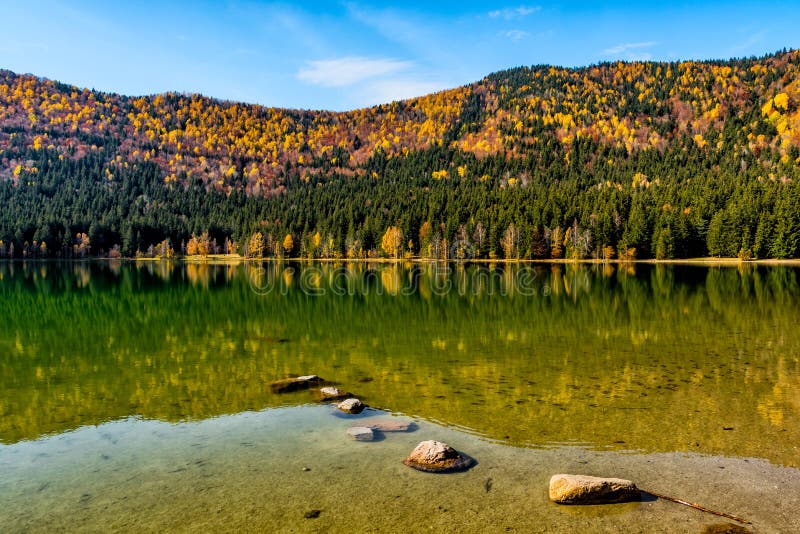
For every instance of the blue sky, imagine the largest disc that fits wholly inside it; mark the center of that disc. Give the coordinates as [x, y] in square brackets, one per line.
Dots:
[344, 55]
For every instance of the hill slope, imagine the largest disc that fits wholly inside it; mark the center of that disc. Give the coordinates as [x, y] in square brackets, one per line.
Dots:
[645, 159]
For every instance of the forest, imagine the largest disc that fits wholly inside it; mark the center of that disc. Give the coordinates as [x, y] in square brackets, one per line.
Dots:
[611, 161]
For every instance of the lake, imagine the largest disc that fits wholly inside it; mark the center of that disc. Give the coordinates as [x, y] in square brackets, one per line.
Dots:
[137, 396]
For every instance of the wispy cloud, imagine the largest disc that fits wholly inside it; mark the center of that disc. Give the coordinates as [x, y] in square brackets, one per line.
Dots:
[515, 35]
[749, 42]
[513, 12]
[628, 47]
[371, 80]
[345, 71]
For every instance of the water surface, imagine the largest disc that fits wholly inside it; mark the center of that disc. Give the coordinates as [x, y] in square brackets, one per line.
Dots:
[139, 394]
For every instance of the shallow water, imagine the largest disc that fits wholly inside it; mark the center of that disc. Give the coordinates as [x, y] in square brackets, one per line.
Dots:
[137, 398]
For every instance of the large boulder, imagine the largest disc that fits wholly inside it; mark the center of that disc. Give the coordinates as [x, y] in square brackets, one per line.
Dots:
[582, 489]
[297, 383]
[437, 457]
[361, 433]
[351, 406]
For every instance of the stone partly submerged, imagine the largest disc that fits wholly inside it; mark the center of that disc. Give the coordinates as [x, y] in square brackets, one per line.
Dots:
[330, 393]
[437, 457]
[391, 425]
[353, 406]
[361, 433]
[287, 385]
[581, 489]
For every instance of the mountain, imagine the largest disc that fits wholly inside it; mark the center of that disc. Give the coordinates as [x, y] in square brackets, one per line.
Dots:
[633, 159]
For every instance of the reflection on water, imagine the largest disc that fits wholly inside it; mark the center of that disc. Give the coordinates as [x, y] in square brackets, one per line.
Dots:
[651, 358]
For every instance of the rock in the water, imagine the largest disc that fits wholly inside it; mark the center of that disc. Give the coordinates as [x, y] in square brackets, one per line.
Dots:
[332, 393]
[437, 457]
[351, 406]
[295, 384]
[725, 528]
[390, 425]
[581, 489]
[361, 433]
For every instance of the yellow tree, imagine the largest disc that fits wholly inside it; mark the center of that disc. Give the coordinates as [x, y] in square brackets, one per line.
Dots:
[557, 243]
[191, 246]
[288, 244]
[204, 244]
[316, 241]
[255, 248]
[392, 242]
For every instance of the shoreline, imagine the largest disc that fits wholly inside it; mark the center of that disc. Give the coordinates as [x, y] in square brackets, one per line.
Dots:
[235, 259]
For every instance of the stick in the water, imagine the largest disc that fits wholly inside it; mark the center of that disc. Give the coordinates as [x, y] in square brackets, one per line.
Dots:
[697, 507]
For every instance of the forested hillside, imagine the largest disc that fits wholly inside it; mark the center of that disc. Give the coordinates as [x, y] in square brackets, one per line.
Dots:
[631, 160]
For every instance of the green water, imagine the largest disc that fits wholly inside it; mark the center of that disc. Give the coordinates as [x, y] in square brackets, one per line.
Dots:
[125, 389]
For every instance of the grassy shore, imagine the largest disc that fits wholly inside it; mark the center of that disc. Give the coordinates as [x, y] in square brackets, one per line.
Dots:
[710, 261]
[235, 259]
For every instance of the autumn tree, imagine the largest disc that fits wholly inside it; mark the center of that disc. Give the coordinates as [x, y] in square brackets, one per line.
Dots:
[425, 239]
[288, 244]
[510, 242]
[164, 249]
[192, 246]
[82, 245]
[255, 247]
[392, 242]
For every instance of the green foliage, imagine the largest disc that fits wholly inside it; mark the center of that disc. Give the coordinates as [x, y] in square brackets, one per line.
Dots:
[667, 159]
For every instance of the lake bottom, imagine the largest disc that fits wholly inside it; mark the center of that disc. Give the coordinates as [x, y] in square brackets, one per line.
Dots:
[294, 469]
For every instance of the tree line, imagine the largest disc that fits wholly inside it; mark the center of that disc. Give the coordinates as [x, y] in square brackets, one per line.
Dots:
[681, 204]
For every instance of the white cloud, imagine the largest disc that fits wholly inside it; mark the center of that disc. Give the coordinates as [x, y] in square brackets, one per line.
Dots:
[372, 81]
[627, 47]
[515, 35]
[513, 12]
[349, 70]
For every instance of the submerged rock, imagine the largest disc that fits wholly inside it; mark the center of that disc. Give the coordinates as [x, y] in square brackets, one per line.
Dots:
[288, 385]
[391, 425]
[437, 457]
[351, 406]
[725, 528]
[581, 489]
[332, 393]
[361, 433]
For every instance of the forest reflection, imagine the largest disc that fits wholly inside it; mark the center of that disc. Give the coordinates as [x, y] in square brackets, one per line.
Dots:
[530, 354]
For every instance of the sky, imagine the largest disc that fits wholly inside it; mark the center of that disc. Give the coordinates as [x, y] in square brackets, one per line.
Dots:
[350, 54]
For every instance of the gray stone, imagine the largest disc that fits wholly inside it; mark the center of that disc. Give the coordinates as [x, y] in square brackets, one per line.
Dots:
[332, 393]
[437, 457]
[390, 425]
[361, 433]
[351, 406]
[582, 489]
